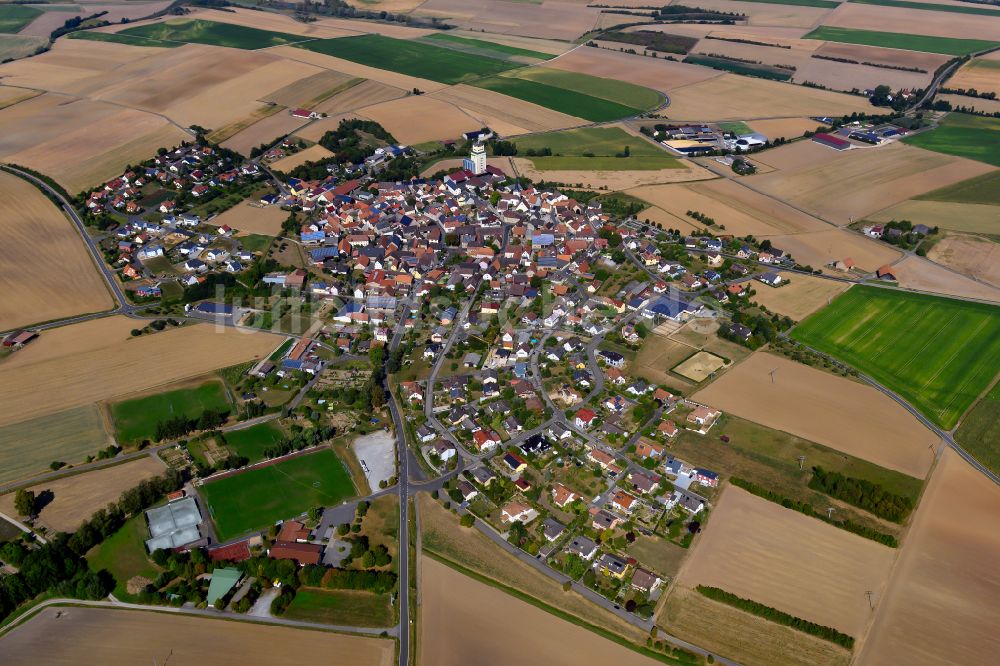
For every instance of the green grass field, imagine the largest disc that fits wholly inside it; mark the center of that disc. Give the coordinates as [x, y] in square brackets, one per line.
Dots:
[119, 38]
[744, 68]
[979, 433]
[345, 607]
[483, 47]
[260, 497]
[256, 242]
[983, 189]
[409, 57]
[15, 17]
[136, 419]
[898, 40]
[558, 99]
[930, 6]
[198, 31]
[28, 447]
[735, 128]
[975, 137]
[123, 554]
[612, 90]
[251, 442]
[937, 353]
[602, 143]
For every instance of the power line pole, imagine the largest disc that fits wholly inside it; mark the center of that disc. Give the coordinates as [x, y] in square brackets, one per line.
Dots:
[772, 374]
[868, 593]
[829, 512]
[802, 459]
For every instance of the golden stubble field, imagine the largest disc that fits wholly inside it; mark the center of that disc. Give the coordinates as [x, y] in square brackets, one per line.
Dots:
[975, 256]
[974, 218]
[799, 296]
[941, 605]
[97, 360]
[919, 273]
[819, 248]
[46, 271]
[76, 498]
[253, 219]
[913, 21]
[655, 73]
[420, 118]
[800, 565]
[549, 19]
[313, 153]
[983, 74]
[460, 616]
[505, 114]
[834, 411]
[841, 186]
[108, 636]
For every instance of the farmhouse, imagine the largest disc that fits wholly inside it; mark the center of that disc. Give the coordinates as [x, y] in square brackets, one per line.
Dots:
[302, 553]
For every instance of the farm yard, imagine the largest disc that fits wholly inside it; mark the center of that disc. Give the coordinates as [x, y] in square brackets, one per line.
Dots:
[469, 609]
[33, 227]
[75, 498]
[940, 605]
[824, 571]
[28, 447]
[127, 636]
[815, 405]
[883, 332]
[90, 362]
[136, 418]
[254, 499]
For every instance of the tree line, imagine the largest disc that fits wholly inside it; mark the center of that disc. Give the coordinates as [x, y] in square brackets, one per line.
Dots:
[775, 615]
[863, 494]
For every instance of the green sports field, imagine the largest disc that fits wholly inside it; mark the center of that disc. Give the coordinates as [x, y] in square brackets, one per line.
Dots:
[930, 6]
[899, 40]
[410, 57]
[252, 442]
[15, 17]
[253, 500]
[198, 31]
[939, 354]
[483, 47]
[570, 150]
[119, 38]
[135, 420]
[975, 137]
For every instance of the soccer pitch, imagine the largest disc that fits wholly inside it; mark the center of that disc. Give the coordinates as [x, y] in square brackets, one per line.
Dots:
[253, 500]
[937, 353]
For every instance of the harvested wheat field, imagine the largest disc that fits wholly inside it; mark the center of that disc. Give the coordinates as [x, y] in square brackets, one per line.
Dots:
[97, 360]
[459, 616]
[741, 210]
[313, 153]
[799, 296]
[9, 95]
[819, 248]
[549, 46]
[974, 256]
[848, 185]
[784, 127]
[75, 498]
[33, 227]
[766, 14]
[264, 131]
[551, 19]
[515, 113]
[847, 76]
[751, 640]
[974, 218]
[918, 273]
[834, 411]
[252, 218]
[403, 81]
[79, 142]
[655, 73]
[913, 21]
[941, 605]
[52, 20]
[110, 636]
[883, 56]
[983, 74]
[312, 90]
[666, 220]
[614, 180]
[789, 561]
[988, 106]
[735, 97]
[264, 21]
[420, 118]
[364, 94]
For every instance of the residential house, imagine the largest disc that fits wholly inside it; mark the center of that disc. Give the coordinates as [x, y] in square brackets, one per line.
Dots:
[582, 547]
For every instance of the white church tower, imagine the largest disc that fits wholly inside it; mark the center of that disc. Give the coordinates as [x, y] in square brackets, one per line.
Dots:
[476, 162]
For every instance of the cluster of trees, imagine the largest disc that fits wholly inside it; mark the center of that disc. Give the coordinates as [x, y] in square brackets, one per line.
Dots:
[379, 582]
[807, 509]
[502, 148]
[701, 217]
[300, 438]
[863, 494]
[346, 143]
[538, 152]
[775, 615]
[179, 426]
[970, 92]
[58, 566]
